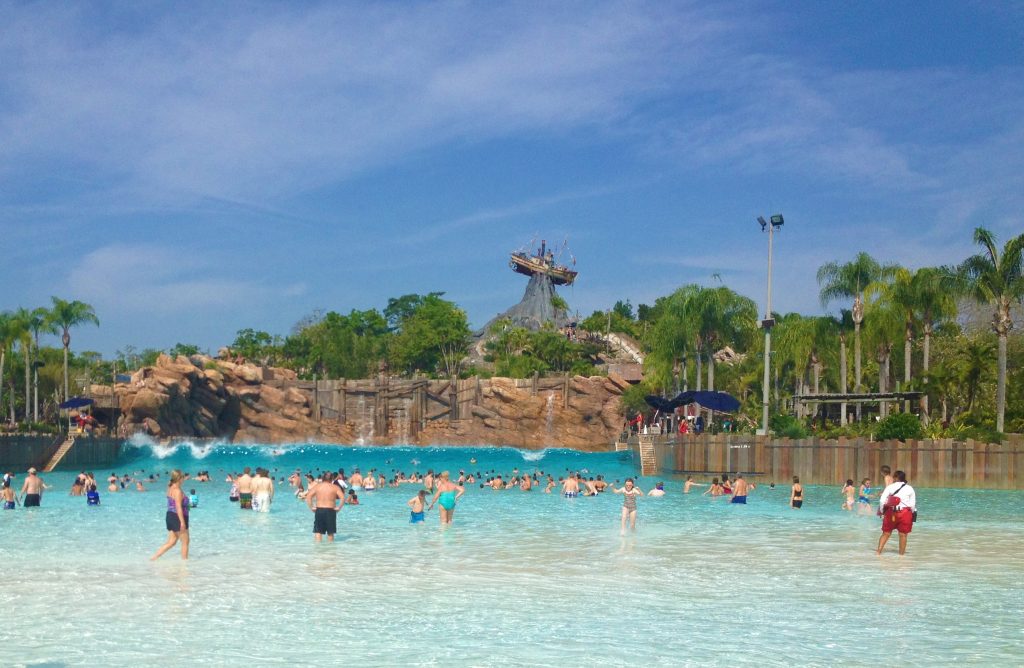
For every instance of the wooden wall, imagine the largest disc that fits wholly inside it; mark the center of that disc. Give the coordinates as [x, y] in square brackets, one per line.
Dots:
[935, 463]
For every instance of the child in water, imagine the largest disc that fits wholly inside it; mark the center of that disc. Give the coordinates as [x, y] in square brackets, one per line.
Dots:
[193, 499]
[92, 497]
[353, 500]
[416, 506]
[8, 495]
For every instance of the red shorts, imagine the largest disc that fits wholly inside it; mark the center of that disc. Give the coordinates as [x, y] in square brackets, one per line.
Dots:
[901, 520]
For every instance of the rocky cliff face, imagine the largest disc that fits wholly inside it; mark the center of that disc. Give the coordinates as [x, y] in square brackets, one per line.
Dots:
[206, 398]
[508, 415]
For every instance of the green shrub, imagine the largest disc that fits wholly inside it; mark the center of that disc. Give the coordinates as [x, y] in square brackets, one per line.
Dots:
[900, 426]
[788, 426]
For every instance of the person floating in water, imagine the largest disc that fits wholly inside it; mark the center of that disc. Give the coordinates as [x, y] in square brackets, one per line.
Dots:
[416, 504]
[629, 492]
[176, 517]
[446, 496]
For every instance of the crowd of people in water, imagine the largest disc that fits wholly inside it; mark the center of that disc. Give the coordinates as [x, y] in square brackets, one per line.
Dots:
[326, 492]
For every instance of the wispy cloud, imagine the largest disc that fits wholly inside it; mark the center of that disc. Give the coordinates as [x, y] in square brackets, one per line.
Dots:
[149, 280]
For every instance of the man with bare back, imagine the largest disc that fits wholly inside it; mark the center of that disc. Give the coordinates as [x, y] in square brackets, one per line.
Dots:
[325, 499]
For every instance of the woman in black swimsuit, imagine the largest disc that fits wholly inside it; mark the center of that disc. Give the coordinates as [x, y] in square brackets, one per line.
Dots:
[796, 497]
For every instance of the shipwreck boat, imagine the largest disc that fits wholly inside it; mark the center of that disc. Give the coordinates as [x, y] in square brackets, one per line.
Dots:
[542, 262]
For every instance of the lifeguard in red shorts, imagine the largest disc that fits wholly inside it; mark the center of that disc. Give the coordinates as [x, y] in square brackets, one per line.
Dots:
[897, 506]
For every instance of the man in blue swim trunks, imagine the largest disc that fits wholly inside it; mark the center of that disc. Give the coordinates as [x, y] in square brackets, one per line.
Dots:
[416, 507]
[739, 490]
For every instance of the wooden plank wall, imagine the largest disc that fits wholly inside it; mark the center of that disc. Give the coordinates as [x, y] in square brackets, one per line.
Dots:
[387, 407]
[929, 463]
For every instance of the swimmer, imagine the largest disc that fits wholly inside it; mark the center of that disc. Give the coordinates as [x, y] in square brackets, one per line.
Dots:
[848, 492]
[714, 489]
[630, 493]
[262, 491]
[571, 487]
[659, 490]
[353, 500]
[416, 504]
[739, 493]
[864, 497]
[447, 494]
[325, 499]
[32, 490]
[244, 483]
[193, 499]
[176, 517]
[550, 485]
[92, 497]
[796, 495]
[690, 483]
[139, 487]
[10, 500]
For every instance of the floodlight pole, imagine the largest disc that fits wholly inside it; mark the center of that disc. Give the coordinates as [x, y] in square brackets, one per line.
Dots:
[767, 324]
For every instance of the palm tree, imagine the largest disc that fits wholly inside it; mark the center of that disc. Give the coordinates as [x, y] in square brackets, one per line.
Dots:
[901, 293]
[6, 338]
[972, 366]
[996, 279]
[724, 318]
[843, 324]
[844, 281]
[23, 333]
[887, 324]
[671, 337]
[934, 291]
[65, 315]
[39, 321]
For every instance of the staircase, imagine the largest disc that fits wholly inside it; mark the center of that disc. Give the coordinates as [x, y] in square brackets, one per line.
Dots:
[621, 445]
[648, 457]
[59, 455]
[625, 346]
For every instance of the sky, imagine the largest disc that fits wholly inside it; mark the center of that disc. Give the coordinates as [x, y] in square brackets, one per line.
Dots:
[193, 169]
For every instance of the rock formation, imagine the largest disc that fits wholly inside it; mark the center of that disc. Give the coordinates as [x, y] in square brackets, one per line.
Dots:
[206, 398]
[200, 397]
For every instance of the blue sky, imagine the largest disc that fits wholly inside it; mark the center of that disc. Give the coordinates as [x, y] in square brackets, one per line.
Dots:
[193, 170]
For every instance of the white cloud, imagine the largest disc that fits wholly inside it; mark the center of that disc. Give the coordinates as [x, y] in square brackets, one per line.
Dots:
[143, 279]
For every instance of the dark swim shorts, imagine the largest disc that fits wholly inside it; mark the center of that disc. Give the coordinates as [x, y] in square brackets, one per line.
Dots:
[325, 521]
[245, 501]
[31, 500]
[174, 524]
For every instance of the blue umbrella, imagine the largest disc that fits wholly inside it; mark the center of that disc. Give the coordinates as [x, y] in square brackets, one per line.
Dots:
[77, 402]
[723, 402]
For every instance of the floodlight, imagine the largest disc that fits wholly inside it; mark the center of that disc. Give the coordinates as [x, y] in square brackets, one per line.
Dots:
[777, 220]
[764, 224]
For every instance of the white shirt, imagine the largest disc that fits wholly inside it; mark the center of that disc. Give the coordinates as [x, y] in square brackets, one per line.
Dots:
[906, 495]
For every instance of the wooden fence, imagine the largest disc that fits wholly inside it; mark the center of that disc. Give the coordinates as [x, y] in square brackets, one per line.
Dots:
[388, 408]
[934, 463]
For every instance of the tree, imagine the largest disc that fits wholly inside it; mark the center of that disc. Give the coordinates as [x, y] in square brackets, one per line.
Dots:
[251, 344]
[934, 291]
[433, 337]
[22, 322]
[65, 315]
[39, 321]
[6, 339]
[624, 308]
[886, 325]
[400, 308]
[996, 279]
[184, 350]
[848, 281]
[670, 338]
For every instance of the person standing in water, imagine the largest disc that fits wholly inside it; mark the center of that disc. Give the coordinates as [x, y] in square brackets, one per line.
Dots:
[416, 505]
[446, 496]
[897, 505]
[796, 494]
[325, 499]
[244, 483]
[10, 500]
[739, 490]
[176, 517]
[848, 491]
[262, 491]
[629, 492]
[32, 490]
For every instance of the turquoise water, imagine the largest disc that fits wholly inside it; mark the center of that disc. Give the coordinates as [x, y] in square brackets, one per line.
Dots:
[519, 579]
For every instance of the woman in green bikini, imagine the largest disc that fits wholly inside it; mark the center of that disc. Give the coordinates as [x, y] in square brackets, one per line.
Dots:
[446, 496]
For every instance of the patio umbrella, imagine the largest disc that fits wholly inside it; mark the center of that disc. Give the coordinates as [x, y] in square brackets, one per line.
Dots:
[722, 402]
[77, 402]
